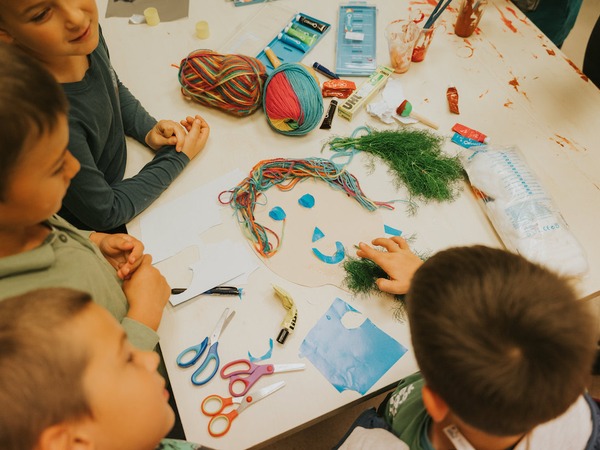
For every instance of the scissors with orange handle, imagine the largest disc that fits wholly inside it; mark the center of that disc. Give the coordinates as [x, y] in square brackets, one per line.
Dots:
[245, 373]
[220, 422]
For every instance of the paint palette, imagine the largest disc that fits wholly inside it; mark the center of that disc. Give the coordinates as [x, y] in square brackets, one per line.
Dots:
[295, 40]
[356, 40]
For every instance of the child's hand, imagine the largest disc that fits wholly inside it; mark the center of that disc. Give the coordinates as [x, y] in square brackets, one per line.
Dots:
[147, 292]
[122, 251]
[166, 132]
[399, 262]
[198, 131]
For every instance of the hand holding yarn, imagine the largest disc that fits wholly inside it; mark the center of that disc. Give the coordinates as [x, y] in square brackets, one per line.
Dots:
[399, 262]
[198, 132]
[165, 132]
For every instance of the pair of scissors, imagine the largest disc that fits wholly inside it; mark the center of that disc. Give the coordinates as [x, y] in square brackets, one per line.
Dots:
[246, 373]
[220, 422]
[196, 351]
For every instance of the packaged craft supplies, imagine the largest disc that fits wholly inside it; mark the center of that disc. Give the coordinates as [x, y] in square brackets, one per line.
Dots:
[522, 213]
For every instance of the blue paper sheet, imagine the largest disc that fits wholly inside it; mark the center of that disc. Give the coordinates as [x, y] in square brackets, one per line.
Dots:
[350, 358]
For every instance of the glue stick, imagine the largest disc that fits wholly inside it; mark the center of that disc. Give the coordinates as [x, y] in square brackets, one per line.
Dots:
[272, 57]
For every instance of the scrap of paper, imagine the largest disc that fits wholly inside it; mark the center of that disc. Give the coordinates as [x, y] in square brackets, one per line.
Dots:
[178, 224]
[391, 97]
[267, 355]
[168, 10]
[350, 358]
[218, 264]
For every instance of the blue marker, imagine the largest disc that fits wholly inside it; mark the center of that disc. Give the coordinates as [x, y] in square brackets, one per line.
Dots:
[325, 71]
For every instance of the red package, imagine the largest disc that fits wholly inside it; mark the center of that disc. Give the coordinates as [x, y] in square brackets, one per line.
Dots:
[338, 88]
[452, 96]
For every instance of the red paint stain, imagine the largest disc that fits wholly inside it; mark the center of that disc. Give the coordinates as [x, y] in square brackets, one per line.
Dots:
[563, 141]
[486, 91]
[534, 56]
[508, 104]
[514, 83]
[426, 100]
[507, 22]
[577, 69]
[477, 30]
[497, 51]
[514, 13]
[550, 51]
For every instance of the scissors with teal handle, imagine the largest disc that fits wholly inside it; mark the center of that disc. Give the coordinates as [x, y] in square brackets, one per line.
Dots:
[214, 405]
[246, 373]
[196, 352]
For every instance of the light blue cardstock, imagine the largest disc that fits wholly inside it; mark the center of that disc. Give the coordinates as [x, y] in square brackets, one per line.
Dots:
[350, 358]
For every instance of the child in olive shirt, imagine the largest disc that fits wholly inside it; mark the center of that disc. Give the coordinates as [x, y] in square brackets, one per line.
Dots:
[504, 348]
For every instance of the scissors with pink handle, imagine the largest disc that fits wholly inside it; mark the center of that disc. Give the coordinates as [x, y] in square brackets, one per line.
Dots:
[220, 422]
[245, 373]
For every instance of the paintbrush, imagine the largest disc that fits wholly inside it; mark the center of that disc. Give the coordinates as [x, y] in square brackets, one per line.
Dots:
[405, 110]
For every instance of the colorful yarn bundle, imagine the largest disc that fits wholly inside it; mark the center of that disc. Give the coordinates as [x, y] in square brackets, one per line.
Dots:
[232, 83]
[285, 174]
[292, 100]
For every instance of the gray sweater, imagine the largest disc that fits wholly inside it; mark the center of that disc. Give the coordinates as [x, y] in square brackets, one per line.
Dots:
[102, 112]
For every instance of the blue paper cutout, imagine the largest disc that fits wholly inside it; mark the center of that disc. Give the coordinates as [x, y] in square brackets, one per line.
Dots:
[333, 259]
[391, 230]
[307, 200]
[277, 213]
[317, 234]
[350, 359]
[263, 357]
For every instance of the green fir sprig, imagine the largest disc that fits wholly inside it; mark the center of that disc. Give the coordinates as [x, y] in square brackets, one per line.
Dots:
[414, 157]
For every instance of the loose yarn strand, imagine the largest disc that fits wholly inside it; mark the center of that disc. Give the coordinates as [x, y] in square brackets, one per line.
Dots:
[285, 174]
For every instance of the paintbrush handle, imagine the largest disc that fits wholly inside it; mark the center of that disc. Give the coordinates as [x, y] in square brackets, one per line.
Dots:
[424, 120]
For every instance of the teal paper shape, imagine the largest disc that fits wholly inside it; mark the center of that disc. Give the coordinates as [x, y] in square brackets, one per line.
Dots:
[350, 359]
[277, 213]
[307, 200]
[317, 234]
[391, 230]
[337, 257]
[263, 357]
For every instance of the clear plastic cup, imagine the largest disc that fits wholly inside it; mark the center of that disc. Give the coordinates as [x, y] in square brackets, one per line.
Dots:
[401, 37]
[422, 44]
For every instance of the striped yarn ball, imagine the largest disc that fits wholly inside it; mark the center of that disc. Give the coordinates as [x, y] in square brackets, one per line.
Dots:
[232, 83]
[292, 100]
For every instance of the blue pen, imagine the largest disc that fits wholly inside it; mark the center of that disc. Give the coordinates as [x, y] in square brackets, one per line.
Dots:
[325, 71]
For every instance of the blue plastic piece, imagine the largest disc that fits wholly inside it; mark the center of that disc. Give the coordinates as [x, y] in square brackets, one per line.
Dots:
[356, 40]
[277, 213]
[391, 230]
[307, 200]
[337, 257]
[293, 53]
[317, 234]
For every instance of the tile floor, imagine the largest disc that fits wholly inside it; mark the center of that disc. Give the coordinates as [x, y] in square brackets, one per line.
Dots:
[326, 433]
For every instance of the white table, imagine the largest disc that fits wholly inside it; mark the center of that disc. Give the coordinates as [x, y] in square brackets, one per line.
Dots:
[553, 116]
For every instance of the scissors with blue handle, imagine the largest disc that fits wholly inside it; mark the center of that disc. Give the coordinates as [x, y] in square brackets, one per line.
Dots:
[246, 373]
[220, 422]
[196, 352]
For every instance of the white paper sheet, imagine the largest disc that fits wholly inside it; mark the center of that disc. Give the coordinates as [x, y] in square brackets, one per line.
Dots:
[178, 224]
[218, 264]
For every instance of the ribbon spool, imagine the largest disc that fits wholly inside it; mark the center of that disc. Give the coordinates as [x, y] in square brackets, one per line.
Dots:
[231, 83]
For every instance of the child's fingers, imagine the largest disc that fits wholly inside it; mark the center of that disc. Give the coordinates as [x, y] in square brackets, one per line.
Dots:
[386, 243]
[401, 242]
[390, 286]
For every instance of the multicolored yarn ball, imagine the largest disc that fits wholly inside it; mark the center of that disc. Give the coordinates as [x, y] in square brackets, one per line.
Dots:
[292, 100]
[232, 83]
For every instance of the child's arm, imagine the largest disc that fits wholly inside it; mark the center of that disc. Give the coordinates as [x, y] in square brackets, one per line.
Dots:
[167, 132]
[122, 251]
[147, 292]
[399, 262]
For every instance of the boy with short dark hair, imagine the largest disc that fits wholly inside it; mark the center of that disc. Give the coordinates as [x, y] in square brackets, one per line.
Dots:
[72, 380]
[37, 249]
[64, 35]
[504, 348]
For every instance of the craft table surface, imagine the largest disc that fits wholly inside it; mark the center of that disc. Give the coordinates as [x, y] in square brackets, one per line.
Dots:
[514, 85]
